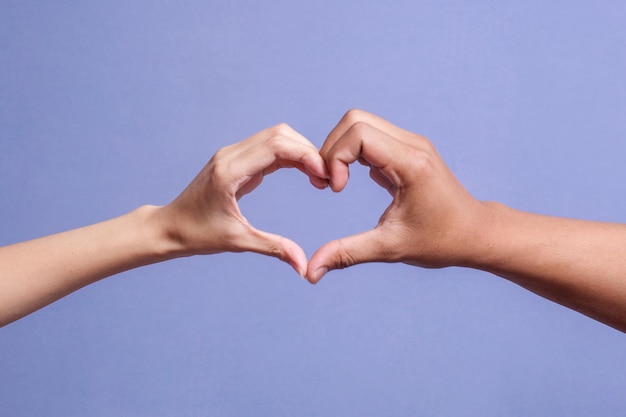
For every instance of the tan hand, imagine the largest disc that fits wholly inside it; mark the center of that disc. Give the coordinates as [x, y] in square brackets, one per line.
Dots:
[432, 220]
[205, 217]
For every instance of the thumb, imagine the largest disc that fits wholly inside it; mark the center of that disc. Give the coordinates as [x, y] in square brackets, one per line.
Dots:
[345, 252]
[276, 246]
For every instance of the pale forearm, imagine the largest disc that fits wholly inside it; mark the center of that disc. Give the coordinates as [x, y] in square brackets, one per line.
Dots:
[579, 264]
[203, 219]
[37, 272]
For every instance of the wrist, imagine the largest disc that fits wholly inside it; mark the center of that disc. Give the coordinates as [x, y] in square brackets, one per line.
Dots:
[158, 238]
[486, 241]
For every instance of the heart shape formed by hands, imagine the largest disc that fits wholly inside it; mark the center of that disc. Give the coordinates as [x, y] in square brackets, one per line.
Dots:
[428, 223]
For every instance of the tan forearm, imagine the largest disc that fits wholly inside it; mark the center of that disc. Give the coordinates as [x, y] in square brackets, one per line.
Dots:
[579, 264]
[37, 272]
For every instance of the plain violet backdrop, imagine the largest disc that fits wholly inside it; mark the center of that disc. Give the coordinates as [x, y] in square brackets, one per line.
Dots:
[105, 106]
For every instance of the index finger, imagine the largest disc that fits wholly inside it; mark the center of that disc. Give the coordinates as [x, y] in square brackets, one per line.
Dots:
[274, 153]
[376, 147]
[281, 129]
[354, 116]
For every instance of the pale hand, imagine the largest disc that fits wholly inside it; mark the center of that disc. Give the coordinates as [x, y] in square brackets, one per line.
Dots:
[205, 217]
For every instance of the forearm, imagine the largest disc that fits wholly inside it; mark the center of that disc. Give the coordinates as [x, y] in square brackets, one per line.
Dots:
[203, 219]
[37, 272]
[579, 264]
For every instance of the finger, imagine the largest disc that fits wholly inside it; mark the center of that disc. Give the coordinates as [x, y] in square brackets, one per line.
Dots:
[255, 180]
[274, 245]
[249, 185]
[281, 129]
[355, 116]
[345, 252]
[272, 154]
[319, 183]
[362, 141]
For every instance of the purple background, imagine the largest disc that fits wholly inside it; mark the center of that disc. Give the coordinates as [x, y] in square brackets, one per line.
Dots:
[105, 106]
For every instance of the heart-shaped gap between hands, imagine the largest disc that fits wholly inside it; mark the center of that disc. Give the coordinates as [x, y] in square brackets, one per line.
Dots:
[285, 205]
[430, 222]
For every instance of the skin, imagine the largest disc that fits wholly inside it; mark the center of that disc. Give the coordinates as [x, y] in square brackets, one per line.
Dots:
[434, 222]
[203, 219]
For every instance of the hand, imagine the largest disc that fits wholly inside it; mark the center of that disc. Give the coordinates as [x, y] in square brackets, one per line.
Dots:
[431, 222]
[205, 217]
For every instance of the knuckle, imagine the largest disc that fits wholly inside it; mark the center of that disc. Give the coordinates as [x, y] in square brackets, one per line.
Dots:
[281, 129]
[257, 241]
[276, 139]
[343, 259]
[220, 154]
[359, 129]
[276, 142]
[426, 144]
[354, 115]
[220, 172]
[421, 142]
[276, 250]
[423, 162]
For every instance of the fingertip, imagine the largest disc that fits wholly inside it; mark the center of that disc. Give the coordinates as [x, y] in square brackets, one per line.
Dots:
[337, 186]
[296, 257]
[319, 183]
[317, 267]
[301, 273]
[339, 176]
[276, 246]
[338, 181]
[315, 164]
[299, 269]
[317, 275]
